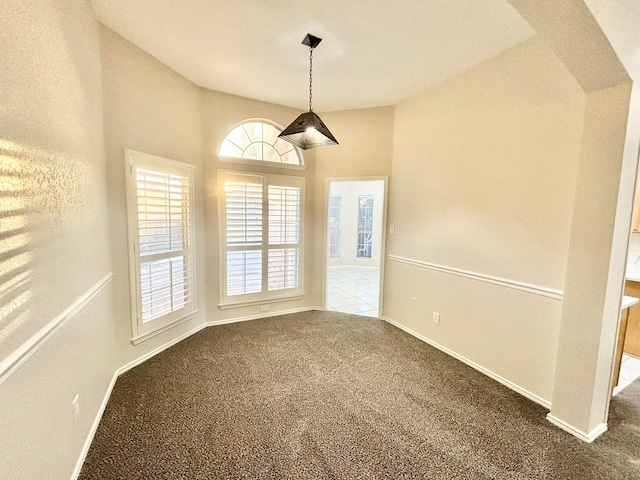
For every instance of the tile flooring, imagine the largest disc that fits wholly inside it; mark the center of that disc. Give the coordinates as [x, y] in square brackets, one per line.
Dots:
[629, 371]
[353, 289]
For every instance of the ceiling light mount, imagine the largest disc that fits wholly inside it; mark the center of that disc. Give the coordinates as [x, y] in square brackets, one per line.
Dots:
[308, 130]
[311, 41]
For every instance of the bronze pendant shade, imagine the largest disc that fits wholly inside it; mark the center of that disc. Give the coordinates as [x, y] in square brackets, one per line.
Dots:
[308, 130]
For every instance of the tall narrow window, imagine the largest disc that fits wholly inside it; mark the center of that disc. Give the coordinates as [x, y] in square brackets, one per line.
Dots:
[243, 215]
[161, 233]
[335, 213]
[365, 225]
[260, 242]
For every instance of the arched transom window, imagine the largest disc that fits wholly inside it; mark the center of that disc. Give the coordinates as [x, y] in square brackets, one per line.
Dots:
[258, 140]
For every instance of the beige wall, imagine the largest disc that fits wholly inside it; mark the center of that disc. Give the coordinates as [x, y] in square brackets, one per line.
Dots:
[150, 108]
[483, 179]
[54, 233]
[491, 172]
[601, 214]
[366, 144]
[588, 298]
[220, 113]
[366, 148]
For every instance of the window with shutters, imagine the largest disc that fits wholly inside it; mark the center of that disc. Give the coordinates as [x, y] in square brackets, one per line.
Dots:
[261, 247]
[160, 208]
[257, 141]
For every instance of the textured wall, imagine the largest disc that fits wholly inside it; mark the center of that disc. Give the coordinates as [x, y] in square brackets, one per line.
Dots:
[53, 245]
[150, 108]
[483, 179]
[53, 233]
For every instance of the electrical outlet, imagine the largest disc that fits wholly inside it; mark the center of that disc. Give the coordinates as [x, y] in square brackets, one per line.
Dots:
[264, 308]
[392, 229]
[436, 317]
[76, 407]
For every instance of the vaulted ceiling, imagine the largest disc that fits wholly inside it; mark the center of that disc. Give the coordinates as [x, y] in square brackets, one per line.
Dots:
[373, 53]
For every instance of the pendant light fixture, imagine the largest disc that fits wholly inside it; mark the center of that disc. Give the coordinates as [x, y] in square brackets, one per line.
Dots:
[308, 130]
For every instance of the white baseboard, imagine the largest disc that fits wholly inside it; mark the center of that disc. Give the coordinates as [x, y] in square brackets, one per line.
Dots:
[584, 436]
[94, 428]
[107, 395]
[153, 353]
[507, 383]
[156, 351]
[213, 323]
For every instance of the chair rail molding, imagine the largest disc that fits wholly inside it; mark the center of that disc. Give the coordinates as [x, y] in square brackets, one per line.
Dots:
[481, 277]
[21, 354]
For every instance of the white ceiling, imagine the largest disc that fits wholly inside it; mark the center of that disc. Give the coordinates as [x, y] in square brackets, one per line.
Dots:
[374, 52]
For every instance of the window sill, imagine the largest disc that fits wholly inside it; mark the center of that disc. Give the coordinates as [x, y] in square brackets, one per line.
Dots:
[260, 163]
[260, 301]
[146, 336]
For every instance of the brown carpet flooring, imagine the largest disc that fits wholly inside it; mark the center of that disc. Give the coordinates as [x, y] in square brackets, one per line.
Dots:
[324, 395]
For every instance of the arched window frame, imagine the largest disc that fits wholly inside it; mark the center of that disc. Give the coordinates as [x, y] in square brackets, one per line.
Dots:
[250, 161]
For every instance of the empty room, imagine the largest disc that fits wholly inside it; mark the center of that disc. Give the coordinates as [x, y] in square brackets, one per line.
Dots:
[342, 239]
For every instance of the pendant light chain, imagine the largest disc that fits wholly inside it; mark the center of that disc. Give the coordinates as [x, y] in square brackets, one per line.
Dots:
[308, 130]
[310, 76]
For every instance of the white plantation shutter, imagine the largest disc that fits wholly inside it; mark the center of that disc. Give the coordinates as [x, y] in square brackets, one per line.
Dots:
[284, 264]
[243, 234]
[284, 215]
[161, 202]
[164, 286]
[260, 244]
[284, 229]
[244, 272]
[244, 212]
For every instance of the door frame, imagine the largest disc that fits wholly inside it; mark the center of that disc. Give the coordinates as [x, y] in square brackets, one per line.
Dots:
[325, 233]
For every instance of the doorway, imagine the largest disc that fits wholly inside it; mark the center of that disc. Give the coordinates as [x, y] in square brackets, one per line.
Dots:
[354, 245]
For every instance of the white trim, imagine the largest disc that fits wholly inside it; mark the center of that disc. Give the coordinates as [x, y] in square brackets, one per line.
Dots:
[31, 346]
[586, 437]
[164, 328]
[248, 161]
[325, 233]
[265, 295]
[94, 428]
[261, 163]
[507, 383]
[107, 395]
[285, 298]
[133, 159]
[153, 353]
[503, 282]
[225, 321]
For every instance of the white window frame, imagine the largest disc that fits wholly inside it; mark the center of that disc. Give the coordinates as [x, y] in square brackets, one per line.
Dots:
[262, 163]
[265, 296]
[338, 226]
[142, 331]
[358, 232]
